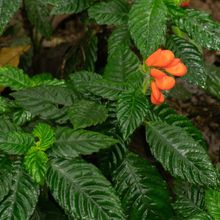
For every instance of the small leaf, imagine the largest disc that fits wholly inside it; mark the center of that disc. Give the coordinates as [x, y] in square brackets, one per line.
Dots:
[14, 78]
[147, 25]
[35, 163]
[72, 143]
[3, 105]
[180, 154]
[21, 116]
[121, 65]
[111, 12]
[14, 142]
[191, 57]
[7, 10]
[38, 14]
[86, 113]
[45, 134]
[22, 198]
[87, 194]
[135, 181]
[212, 200]
[132, 108]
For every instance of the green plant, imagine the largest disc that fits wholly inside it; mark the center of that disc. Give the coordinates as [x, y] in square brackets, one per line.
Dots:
[70, 137]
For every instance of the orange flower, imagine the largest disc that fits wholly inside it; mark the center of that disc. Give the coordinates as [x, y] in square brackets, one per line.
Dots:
[166, 60]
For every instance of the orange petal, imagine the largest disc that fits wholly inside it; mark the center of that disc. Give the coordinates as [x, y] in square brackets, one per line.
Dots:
[178, 70]
[173, 63]
[153, 57]
[165, 83]
[157, 102]
[155, 91]
[164, 59]
[157, 73]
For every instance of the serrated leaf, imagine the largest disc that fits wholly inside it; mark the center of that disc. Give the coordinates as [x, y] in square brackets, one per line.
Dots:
[87, 194]
[72, 143]
[7, 125]
[180, 154]
[4, 107]
[21, 116]
[165, 114]
[35, 163]
[22, 198]
[14, 78]
[118, 37]
[86, 113]
[38, 14]
[121, 65]
[106, 88]
[112, 12]
[200, 216]
[7, 10]
[147, 25]
[69, 6]
[135, 181]
[15, 142]
[132, 108]
[46, 101]
[45, 134]
[212, 200]
[5, 176]
[191, 57]
[201, 28]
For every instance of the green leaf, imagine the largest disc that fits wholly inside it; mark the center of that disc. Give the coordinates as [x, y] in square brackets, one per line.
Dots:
[5, 175]
[7, 125]
[212, 200]
[22, 198]
[118, 37]
[121, 64]
[106, 89]
[213, 81]
[69, 6]
[180, 154]
[35, 163]
[165, 114]
[87, 194]
[72, 143]
[38, 14]
[201, 28]
[7, 10]
[132, 108]
[200, 216]
[147, 24]
[15, 142]
[191, 57]
[111, 12]
[135, 181]
[21, 116]
[4, 107]
[86, 113]
[45, 134]
[46, 101]
[14, 78]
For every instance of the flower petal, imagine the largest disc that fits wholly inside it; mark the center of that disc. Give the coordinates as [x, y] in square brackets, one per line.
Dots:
[155, 91]
[165, 83]
[164, 59]
[157, 74]
[178, 70]
[153, 57]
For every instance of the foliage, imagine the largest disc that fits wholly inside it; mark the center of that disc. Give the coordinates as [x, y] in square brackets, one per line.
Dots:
[70, 140]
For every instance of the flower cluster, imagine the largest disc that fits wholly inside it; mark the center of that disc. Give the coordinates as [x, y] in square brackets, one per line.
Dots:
[163, 59]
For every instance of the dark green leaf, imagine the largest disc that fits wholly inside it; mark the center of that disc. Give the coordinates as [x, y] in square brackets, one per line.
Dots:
[86, 113]
[4, 107]
[38, 14]
[147, 24]
[132, 108]
[180, 154]
[21, 116]
[121, 64]
[14, 142]
[45, 134]
[14, 78]
[71, 143]
[7, 10]
[200, 216]
[143, 192]
[7, 125]
[22, 198]
[83, 191]
[111, 12]
[35, 163]
[191, 57]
